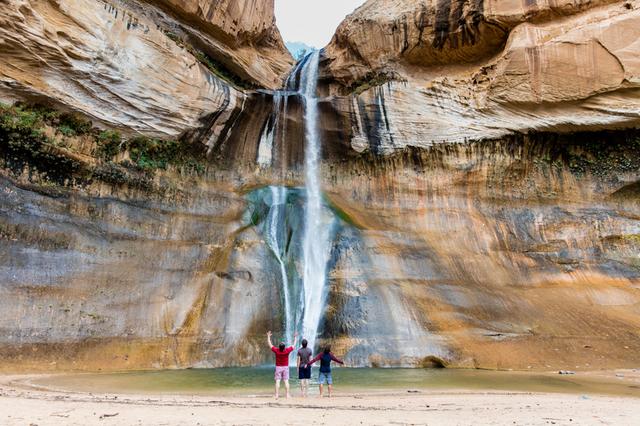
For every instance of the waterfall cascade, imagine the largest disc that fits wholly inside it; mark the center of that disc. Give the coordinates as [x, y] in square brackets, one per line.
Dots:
[265, 148]
[276, 239]
[303, 297]
[316, 238]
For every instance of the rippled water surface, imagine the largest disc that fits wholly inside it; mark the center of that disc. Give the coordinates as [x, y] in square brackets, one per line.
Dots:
[252, 381]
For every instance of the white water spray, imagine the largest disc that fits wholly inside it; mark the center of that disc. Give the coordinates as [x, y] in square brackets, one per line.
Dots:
[316, 239]
[275, 230]
[275, 239]
[265, 147]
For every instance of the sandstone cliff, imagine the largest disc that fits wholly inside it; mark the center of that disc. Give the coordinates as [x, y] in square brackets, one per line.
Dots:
[382, 35]
[484, 69]
[514, 253]
[131, 66]
[470, 223]
[241, 35]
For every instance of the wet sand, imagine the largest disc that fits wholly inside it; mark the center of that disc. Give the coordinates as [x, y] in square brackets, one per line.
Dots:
[22, 403]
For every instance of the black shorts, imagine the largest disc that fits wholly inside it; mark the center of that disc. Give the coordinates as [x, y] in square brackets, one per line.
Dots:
[304, 373]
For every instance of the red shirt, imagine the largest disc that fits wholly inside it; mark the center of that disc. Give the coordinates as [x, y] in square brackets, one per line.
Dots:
[282, 357]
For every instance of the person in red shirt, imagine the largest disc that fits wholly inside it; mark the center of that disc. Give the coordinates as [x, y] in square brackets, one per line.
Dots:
[282, 362]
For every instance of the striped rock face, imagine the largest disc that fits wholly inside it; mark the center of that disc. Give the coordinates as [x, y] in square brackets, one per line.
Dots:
[479, 169]
[483, 70]
[137, 67]
[512, 253]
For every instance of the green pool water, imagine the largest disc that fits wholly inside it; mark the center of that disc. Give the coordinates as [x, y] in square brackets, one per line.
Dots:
[258, 381]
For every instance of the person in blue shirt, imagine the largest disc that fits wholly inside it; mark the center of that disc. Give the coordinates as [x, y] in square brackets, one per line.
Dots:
[324, 377]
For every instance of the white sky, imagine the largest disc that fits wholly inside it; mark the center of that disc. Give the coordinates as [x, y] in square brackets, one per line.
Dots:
[312, 22]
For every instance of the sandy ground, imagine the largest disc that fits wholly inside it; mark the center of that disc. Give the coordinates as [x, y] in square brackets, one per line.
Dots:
[21, 405]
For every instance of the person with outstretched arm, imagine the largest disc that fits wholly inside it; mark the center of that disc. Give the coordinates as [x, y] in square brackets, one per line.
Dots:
[282, 362]
[325, 359]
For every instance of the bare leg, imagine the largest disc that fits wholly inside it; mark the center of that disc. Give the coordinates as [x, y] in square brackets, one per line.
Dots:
[286, 386]
[277, 389]
[320, 391]
[305, 387]
[330, 389]
[302, 387]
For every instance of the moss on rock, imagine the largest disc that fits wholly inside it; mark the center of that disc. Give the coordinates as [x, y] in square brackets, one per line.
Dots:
[37, 139]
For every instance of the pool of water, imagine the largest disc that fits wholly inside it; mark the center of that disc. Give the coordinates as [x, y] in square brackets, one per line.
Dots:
[258, 381]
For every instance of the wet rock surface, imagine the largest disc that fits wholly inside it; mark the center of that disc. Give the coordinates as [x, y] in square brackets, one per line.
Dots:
[504, 254]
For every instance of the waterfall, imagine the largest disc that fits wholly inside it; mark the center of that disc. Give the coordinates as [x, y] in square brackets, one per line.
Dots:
[275, 239]
[275, 228]
[316, 237]
[265, 147]
[304, 296]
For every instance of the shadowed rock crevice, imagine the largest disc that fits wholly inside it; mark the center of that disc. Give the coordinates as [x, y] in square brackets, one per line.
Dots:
[457, 22]
[629, 192]
[433, 362]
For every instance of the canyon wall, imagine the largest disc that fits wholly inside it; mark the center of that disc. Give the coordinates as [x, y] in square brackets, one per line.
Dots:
[506, 70]
[131, 66]
[481, 169]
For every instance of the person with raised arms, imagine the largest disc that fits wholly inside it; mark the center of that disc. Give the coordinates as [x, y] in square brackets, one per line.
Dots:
[282, 362]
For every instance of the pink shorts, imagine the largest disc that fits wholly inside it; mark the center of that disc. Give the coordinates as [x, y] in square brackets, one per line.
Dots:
[282, 373]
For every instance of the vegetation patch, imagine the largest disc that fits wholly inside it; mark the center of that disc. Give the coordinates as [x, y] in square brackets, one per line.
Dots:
[45, 141]
[370, 80]
[342, 214]
[603, 154]
[24, 142]
[109, 144]
[149, 153]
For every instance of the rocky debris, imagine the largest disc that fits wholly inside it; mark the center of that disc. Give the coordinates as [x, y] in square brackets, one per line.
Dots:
[107, 415]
